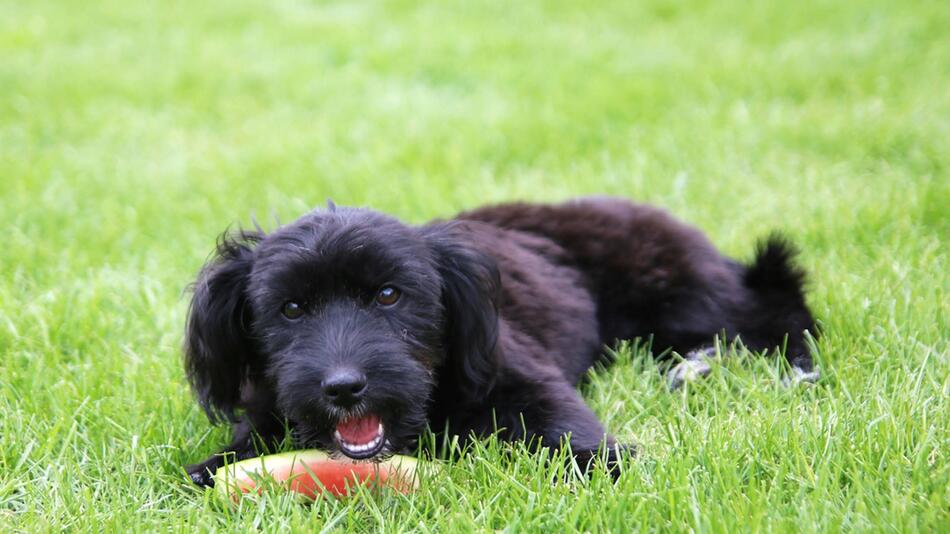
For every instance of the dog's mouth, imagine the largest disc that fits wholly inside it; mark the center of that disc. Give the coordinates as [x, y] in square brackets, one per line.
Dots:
[360, 437]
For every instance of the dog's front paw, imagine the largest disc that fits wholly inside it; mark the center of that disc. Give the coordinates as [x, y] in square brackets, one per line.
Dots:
[201, 475]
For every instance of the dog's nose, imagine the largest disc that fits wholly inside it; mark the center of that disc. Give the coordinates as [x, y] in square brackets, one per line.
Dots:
[344, 387]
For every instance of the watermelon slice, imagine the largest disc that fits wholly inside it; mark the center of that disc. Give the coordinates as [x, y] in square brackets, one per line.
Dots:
[310, 473]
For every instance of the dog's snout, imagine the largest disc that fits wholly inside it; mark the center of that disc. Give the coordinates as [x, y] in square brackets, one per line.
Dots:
[344, 387]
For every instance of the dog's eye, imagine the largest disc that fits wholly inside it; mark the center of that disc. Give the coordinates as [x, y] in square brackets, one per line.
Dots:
[387, 296]
[292, 310]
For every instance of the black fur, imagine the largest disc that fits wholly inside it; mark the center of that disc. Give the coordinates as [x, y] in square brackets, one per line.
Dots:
[503, 310]
[219, 323]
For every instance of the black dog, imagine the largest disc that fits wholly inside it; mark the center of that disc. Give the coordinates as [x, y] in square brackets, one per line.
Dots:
[357, 331]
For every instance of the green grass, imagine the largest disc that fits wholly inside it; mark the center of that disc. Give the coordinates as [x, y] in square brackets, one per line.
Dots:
[131, 133]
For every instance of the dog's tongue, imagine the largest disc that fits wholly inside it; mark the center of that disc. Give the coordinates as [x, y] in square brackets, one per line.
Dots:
[359, 430]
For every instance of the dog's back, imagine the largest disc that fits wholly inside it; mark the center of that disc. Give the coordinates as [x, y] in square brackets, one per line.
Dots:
[655, 277]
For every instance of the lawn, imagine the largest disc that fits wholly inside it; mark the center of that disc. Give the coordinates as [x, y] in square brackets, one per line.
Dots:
[132, 133]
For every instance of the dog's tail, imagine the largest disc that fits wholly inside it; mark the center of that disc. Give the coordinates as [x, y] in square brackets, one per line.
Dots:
[780, 316]
[774, 270]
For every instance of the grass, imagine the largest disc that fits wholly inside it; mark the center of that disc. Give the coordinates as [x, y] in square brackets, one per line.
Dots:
[131, 133]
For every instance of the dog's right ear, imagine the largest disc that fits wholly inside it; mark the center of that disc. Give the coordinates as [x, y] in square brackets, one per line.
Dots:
[218, 349]
[471, 289]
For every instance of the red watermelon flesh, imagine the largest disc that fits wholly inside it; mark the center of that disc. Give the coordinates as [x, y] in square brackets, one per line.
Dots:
[310, 473]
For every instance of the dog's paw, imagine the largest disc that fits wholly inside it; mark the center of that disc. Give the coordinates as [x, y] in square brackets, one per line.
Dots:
[200, 475]
[693, 367]
[610, 459]
[801, 376]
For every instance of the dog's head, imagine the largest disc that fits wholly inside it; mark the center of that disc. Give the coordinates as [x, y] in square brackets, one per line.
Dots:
[347, 319]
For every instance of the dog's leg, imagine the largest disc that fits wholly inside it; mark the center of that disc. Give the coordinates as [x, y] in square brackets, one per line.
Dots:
[803, 367]
[556, 413]
[247, 442]
[695, 365]
[800, 376]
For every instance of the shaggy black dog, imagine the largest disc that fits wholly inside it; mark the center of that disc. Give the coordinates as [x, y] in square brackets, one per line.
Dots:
[356, 331]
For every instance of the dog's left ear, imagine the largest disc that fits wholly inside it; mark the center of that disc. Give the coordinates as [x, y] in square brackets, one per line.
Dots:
[471, 288]
[219, 350]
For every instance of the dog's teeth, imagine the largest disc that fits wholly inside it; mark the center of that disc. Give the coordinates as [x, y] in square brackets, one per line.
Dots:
[357, 448]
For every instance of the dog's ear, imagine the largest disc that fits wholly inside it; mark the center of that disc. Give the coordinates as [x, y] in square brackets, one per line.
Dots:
[471, 288]
[218, 350]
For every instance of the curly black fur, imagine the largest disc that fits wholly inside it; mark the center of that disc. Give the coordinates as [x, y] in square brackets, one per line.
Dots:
[503, 310]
